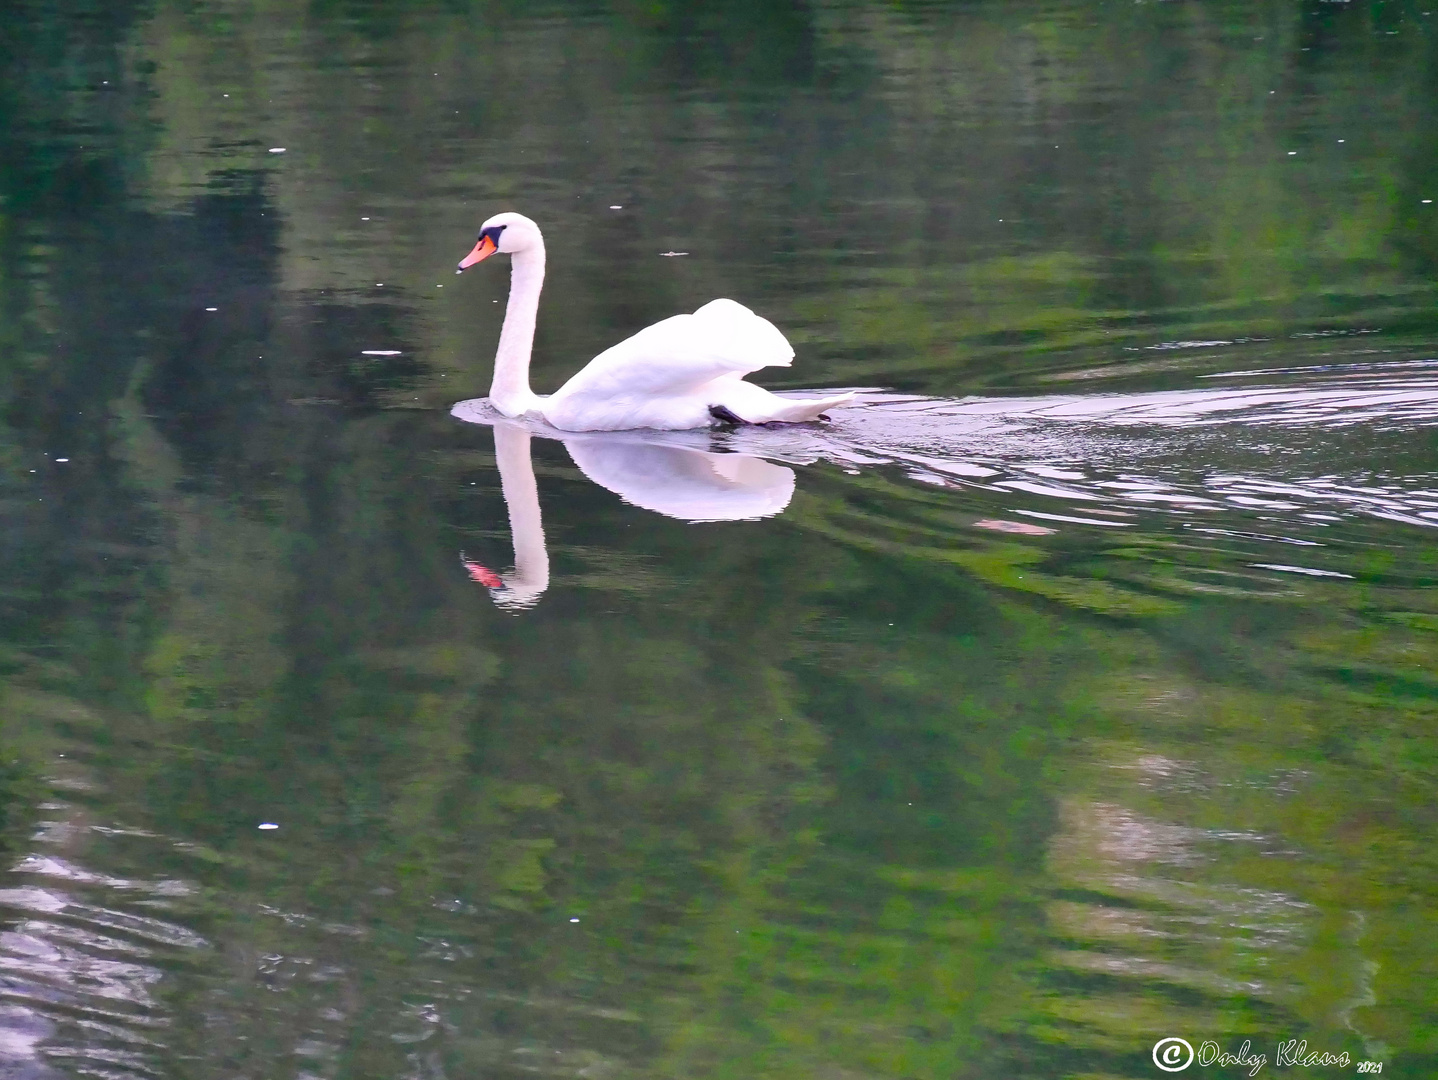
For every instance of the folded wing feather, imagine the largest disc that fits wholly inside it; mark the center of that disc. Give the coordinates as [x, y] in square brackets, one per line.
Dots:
[682, 353]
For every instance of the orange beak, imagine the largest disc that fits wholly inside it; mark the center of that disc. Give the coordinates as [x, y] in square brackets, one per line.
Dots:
[482, 250]
[480, 573]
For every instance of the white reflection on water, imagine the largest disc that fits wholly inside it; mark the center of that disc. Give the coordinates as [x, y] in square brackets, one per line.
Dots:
[1209, 935]
[677, 481]
[78, 972]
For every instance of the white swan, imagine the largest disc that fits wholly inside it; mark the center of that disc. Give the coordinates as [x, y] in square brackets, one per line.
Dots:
[683, 372]
[676, 481]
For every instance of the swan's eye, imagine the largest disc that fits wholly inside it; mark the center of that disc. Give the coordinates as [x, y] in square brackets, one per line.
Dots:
[493, 233]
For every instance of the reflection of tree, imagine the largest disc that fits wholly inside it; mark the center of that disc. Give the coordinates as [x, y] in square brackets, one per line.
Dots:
[917, 239]
[1204, 874]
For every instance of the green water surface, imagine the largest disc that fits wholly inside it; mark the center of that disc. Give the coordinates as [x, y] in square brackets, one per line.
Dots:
[1083, 693]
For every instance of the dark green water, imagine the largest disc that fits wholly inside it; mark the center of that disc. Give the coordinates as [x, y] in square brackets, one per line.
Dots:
[1075, 692]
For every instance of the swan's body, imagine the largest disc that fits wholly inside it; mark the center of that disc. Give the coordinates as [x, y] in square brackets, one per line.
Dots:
[683, 372]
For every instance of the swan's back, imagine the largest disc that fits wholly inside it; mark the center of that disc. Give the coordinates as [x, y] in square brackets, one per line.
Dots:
[682, 353]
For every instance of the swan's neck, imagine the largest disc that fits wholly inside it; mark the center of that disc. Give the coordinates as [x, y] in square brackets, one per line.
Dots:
[521, 495]
[510, 390]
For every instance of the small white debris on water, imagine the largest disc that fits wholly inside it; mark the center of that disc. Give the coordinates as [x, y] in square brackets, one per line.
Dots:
[1292, 152]
[277, 149]
[616, 208]
[62, 459]
[212, 309]
[1427, 200]
[672, 254]
[268, 825]
[380, 352]
[1300, 570]
[379, 284]
[573, 920]
[364, 219]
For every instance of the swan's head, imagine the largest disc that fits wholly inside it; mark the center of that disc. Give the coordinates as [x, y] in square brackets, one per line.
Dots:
[514, 591]
[509, 232]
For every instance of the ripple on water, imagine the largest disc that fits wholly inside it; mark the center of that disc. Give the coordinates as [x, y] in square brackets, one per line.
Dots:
[79, 969]
[1318, 446]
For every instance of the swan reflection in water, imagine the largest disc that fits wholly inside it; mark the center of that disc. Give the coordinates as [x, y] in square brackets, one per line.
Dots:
[677, 481]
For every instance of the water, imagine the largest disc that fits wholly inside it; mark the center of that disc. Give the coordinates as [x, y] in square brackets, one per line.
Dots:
[1073, 691]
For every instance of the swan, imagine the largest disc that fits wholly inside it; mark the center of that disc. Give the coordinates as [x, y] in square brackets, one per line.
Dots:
[676, 481]
[683, 372]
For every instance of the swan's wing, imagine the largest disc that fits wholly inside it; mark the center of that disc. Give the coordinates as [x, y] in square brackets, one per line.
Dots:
[682, 353]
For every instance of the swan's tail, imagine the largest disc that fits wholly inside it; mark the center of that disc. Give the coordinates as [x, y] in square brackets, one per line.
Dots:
[798, 410]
